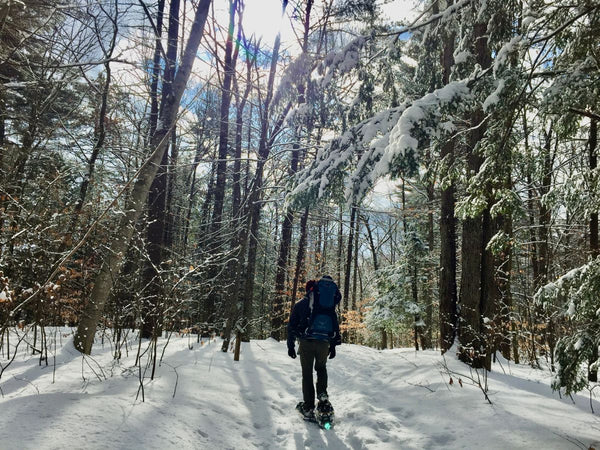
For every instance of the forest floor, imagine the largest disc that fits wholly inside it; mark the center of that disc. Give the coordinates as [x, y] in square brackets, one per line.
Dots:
[201, 399]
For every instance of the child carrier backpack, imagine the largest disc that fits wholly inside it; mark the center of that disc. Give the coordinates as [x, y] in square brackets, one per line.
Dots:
[322, 306]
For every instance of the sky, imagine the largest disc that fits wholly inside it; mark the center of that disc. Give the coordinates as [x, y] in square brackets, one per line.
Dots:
[262, 17]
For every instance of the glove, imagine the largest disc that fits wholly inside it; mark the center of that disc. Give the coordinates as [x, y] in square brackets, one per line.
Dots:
[292, 352]
[332, 352]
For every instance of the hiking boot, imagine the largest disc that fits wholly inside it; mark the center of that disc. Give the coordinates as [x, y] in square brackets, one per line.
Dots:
[323, 397]
[324, 406]
[307, 413]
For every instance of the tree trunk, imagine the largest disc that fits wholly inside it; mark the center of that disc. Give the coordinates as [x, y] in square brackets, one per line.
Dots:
[100, 137]
[84, 337]
[477, 273]
[371, 243]
[299, 273]
[447, 283]
[217, 224]
[355, 272]
[154, 300]
[347, 272]
[545, 213]
[503, 269]
[256, 190]
[229, 69]
[488, 303]
[593, 141]
[340, 244]
[279, 310]
[2, 134]
[236, 196]
[156, 70]
[171, 208]
[427, 341]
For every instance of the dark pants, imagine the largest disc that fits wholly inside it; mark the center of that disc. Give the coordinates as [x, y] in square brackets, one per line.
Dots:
[313, 352]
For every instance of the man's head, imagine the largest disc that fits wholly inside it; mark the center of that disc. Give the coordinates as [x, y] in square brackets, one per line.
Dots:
[310, 285]
[327, 277]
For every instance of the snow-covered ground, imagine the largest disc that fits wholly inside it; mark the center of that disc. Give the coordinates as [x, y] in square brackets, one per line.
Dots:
[202, 399]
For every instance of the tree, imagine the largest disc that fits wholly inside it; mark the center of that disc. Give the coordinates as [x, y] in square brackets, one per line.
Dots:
[84, 336]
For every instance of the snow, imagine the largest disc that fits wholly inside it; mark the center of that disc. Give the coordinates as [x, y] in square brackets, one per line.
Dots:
[15, 85]
[401, 139]
[340, 62]
[504, 53]
[494, 97]
[201, 398]
[461, 57]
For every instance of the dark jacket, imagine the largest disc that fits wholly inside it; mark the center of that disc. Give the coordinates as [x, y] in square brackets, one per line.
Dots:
[298, 323]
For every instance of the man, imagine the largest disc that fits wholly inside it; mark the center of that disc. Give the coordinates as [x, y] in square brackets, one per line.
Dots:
[315, 324]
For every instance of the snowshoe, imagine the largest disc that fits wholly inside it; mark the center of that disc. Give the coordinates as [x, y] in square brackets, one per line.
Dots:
[324, 414]
[307, 414]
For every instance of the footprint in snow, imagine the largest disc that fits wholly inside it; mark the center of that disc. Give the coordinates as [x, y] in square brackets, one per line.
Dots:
[276, 408]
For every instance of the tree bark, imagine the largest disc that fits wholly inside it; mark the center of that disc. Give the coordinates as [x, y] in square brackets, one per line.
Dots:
[229, 69]
[340, 244]
[593, 155]
[427, 339]
[348, 268]
[156, 70]
[447, 283]
[153, 306]
[477, 273]
[299, 275]
[592, 143]
[239, 122]
[355, 264]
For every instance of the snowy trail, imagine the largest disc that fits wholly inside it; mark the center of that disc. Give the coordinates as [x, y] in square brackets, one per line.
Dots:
[395, 399]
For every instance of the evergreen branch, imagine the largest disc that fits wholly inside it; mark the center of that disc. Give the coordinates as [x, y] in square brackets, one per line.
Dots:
[416, 26]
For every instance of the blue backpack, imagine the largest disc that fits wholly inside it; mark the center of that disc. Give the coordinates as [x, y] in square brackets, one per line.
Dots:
[322, 311]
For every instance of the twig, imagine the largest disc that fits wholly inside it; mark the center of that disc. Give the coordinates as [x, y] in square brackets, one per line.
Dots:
[3, 368]
[591, 401]
[176, 377]
[27, 381]
[141, 387]
[483, 388]
[211, 360]
[86, 357]
[408, 360]
[420, 385]
[573, 441]
[162, 354]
